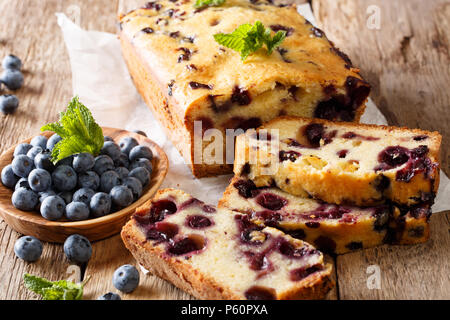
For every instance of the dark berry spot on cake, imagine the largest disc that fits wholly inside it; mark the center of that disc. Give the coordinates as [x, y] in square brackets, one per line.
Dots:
[206, 123]
[297, 234]
[342, 153]
[325, 244]
[190, 39]
[214, 22]
[348, 62]
[416, 232]
[191, 67]
[393, 156]
[190, 202]
[245, 169]
[289, 155]
[184, 56]
[174, 34]
[246, 188]
[301, 273]
[271, 201]
[293, 90]
[242, 123]
[152, 5]
[170, 86]
[314, 133]
[161, 208]
[224, 107]
[147, 30]
[196, 85]
[289, 250]
[382, 183]
[258, 261]
[240, 96]
[208, 209]
[191, 243]
[312, 224]
[162, 231]
[198, 222]
[270, 218]
[420, 137]
[277, 27]
[352, 135]
[381, 215]
[354, 245]
[260, 293]
[282, 52]
[250, 233]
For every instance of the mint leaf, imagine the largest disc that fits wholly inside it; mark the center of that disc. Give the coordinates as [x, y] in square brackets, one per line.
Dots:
[54, 290]
[247, 39]
[200, 4]
[78, 130]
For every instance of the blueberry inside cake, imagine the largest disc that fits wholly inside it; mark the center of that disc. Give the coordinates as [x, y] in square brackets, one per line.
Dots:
[185, 76]
[220, 254]
[342, 163]
[332, 228]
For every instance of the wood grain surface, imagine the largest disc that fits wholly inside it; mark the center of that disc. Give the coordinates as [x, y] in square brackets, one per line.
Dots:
[406, 61]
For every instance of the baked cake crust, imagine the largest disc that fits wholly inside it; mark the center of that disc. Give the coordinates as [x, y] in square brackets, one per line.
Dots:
[185, 76]
[188, 273]
[343, 163]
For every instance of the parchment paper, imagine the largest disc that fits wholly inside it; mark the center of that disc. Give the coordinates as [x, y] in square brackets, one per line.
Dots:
[101, 79]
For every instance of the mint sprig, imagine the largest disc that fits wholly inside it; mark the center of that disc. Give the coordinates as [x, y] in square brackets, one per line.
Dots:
[200, 4]
[247, 39]
[78, 130]
[54, 290]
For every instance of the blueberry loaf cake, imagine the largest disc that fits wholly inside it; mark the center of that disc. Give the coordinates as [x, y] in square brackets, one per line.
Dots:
[219, 254]
[331, 228]
[342, 163]
[187, 78]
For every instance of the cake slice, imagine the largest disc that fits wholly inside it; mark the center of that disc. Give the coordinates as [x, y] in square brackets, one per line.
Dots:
[342, 163]
[219, 254]
[331, 228]
[187, 78]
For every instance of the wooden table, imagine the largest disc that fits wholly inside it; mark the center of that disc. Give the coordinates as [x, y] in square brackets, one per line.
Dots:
[406, 60]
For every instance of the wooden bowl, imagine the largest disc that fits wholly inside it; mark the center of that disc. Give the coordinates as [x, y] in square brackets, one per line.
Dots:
[32, 223]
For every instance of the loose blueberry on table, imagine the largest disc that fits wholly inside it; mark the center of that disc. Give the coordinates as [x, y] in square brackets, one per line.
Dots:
[126, 278]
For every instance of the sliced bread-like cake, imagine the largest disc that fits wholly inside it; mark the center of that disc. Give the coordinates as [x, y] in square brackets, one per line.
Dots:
[219, 254]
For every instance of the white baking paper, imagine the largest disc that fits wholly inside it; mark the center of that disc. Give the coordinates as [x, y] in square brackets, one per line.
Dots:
[101, 79]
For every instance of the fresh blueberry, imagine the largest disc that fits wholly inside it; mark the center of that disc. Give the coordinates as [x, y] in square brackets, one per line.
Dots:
[122, 172]
[141, 152]
[45, 194]
[33, 152]
[121, 196]
[141, 174]
[110, 149]
[8, 103]
[89, 180]
[28, 248]
[22, 183]
[22, 148]
[126, 278]
[142, 133]
[52, 208]
[100, 204]
[127, 143]
[102, 164]
[109, 296]
[134, 185]
[24, 199]
[13, 79]
[9, 178]
[83, 162]
[77, 211]
[66, 196]
[22, 165]
[11, 62]
[39, 141]
[107, 138]
[83, 195]
[64, 178]
[78, 249]
[52, 141]
[108, 180]
[39, 180]
[142, 162]
[43, 160]
[67, 161]
[122, 161]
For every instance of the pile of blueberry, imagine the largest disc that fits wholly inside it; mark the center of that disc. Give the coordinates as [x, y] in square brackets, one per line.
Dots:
[78, 250]
[12, 78]
[81, 186]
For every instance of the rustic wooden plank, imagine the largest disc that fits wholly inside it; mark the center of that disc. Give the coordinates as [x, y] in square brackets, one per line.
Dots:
[110, 254]
[406, 272]
[407, 62]
[29, 30]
